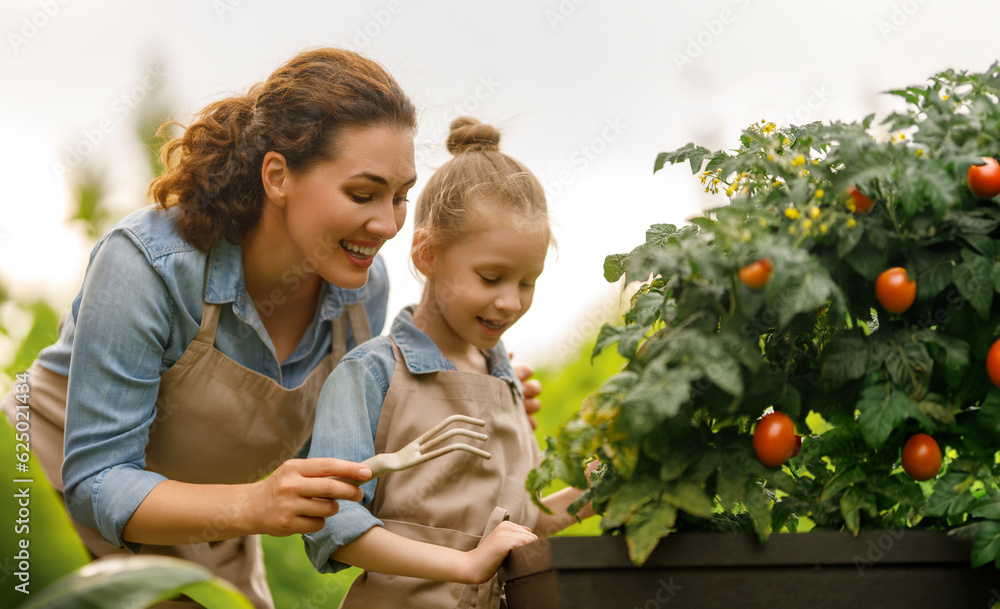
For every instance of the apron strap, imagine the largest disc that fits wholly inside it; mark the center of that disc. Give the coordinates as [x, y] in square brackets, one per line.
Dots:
[358, 317]
[490, 594]
[209, 323]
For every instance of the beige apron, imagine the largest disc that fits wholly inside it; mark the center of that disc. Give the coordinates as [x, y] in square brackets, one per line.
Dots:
[453, 500]
[216, 422]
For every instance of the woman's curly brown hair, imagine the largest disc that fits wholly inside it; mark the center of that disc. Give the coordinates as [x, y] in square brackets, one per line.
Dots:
[213, 168]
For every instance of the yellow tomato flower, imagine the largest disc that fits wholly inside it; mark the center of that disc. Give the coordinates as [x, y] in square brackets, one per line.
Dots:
[792, 213]
[823, 228]
[799, 161]
[814, 211]
[851, 223]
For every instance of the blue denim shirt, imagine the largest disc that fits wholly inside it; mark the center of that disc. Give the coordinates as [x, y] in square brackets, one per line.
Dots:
[138, 309]
[347, 418]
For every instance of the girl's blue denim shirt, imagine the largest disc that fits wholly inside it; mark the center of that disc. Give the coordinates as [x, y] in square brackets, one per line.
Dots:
[139, 307]
[347, 418]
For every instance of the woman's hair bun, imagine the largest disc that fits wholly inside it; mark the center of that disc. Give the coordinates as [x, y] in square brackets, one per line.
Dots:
[468, 134]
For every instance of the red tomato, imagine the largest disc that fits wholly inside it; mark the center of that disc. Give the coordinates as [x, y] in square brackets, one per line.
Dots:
[774, 439]
[921, 457]
[984, 180]
[894, 290]
[857, 201]
[756, 274]
[993, 363]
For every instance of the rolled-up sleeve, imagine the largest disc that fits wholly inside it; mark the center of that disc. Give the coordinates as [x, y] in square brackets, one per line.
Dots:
[122, 325]
[346, 421]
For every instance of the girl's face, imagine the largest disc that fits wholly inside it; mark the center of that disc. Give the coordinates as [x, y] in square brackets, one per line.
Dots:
[340, 212]
[479, 286]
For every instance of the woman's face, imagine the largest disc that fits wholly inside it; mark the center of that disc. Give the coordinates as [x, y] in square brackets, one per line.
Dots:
[341, 211]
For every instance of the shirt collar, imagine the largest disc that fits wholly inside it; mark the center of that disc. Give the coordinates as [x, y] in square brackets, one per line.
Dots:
[224, 283]
[422, 356]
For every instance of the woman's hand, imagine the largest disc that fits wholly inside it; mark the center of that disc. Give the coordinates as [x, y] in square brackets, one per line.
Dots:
[299, 496]
[485, 559]
[532, 389]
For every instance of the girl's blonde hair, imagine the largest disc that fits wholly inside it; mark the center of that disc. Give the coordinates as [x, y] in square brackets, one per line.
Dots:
[479, 180]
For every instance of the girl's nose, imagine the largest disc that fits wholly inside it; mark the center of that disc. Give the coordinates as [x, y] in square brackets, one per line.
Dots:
[509, 299]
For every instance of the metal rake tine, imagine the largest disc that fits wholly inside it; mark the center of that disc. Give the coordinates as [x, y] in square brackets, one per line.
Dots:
[451, 433]
[451, 447]
[433, 431]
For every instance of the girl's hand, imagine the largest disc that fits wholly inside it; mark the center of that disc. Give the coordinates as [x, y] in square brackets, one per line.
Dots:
[484, 561]
[532, 389]
[298, 496]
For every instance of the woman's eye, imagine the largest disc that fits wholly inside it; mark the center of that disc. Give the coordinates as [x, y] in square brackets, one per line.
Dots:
[400, 201]
[488, 279]
[361, 198]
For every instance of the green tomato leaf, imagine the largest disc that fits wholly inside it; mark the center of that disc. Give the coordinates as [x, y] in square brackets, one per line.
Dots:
[845, 358]
[986, 545]
[648, 524]
[690, 497]
[842, 479]
[974, 280]
[696, 155]
[945, 500]
[881, 410]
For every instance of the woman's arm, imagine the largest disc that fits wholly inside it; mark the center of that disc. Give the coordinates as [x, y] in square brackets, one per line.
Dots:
[381, 551]
[295, 499]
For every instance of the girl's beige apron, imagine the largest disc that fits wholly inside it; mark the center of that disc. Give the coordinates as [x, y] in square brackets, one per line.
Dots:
[217, 422]
[453, 500]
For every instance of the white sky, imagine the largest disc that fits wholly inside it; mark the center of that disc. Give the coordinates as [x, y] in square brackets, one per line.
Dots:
[586, 93]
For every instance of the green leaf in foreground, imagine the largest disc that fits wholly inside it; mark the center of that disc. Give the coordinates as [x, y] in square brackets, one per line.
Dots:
[137, 581]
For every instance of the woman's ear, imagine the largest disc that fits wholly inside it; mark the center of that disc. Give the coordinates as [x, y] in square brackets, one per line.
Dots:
[274, 175]
[422, 252]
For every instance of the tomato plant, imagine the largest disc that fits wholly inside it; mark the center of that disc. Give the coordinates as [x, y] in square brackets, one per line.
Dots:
[921, 457]
[858, 365]
[895, 290]
[774, 439]
[857, 201]
[984, 178]
[756, 274]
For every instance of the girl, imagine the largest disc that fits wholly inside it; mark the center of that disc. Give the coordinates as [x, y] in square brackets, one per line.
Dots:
[481, 236]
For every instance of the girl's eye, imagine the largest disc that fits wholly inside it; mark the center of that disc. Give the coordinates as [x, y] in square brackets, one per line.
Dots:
[400, 201]
[361, 198]
[487, 279]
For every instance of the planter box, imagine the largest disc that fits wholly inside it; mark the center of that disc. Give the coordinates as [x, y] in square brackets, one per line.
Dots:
[876, 569]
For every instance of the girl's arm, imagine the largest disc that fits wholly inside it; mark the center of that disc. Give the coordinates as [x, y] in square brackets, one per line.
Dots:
[559, 519]
[559, 503]
[382, 551]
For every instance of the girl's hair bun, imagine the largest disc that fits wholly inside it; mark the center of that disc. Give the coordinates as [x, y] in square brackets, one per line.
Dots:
[468, 134]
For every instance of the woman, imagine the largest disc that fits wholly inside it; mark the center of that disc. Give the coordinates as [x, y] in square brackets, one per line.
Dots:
[191, 360]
